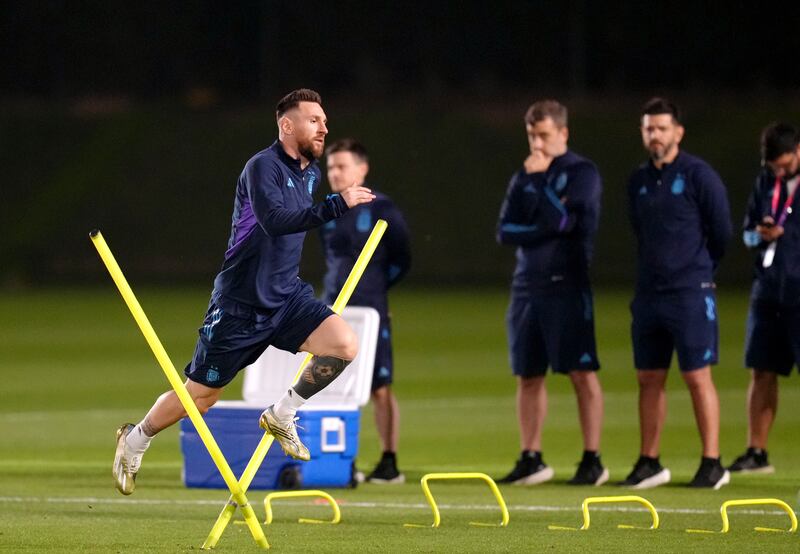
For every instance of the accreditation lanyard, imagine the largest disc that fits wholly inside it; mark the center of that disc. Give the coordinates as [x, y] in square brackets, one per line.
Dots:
[787, 206]
[791, 188]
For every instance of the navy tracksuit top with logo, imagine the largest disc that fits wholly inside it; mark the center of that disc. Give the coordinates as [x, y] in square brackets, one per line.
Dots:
[344, 238]
[780, 282]
[272, 211]
[681, 218]
[552, 218]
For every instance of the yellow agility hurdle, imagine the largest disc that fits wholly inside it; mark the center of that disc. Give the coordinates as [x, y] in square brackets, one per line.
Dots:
[264, 444]
[237, 492]
[753, 502]
[437, 518]
[337, 514]
[606, 500]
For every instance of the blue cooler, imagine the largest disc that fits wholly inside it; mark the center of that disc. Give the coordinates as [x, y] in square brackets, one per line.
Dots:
[328, 424]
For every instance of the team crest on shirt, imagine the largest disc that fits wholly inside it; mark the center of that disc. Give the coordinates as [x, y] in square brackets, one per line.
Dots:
[364, 221]
[561, 182]
[678, 184]
[311, 181]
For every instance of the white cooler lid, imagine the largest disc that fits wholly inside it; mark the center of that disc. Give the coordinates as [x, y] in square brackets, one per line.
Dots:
[267, 379]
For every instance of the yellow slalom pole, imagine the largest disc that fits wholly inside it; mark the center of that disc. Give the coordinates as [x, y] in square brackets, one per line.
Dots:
[266, 440]
[178, 386]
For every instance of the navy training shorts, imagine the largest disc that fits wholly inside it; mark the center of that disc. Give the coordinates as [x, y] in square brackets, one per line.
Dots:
[684, 321]
[552, 328]
[773, 337]
[228, 343]
[383, 373]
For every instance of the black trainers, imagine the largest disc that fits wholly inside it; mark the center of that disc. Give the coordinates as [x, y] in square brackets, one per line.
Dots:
[647, 473]
[386, 472]
[530, 469]
[710, 475]
[753, 461]
[590, 471]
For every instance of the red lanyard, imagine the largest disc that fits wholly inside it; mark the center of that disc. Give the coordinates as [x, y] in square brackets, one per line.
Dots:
[787, 206]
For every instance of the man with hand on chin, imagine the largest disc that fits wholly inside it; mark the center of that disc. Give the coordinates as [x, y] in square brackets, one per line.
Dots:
[550, 214]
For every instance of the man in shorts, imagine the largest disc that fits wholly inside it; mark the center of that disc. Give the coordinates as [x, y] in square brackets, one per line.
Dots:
[772, 230]
[550, 214]
[343, 239]
[258, 298]
[680, 215]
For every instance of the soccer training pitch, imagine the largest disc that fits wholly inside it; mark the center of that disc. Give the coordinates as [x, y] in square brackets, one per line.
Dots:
[74, 366]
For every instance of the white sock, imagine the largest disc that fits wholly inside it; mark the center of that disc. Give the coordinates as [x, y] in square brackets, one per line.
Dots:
[287, 406]
[137, 441]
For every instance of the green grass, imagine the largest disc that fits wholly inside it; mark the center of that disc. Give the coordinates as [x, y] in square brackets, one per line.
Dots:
[73, 366]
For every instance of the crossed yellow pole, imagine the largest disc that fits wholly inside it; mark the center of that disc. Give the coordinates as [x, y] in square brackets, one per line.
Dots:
[237, 488]
[266, 440]
[237, 491]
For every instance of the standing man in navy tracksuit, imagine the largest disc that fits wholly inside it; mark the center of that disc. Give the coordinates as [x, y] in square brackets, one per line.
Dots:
[550, 214]
[343, 239]
[679, 209]
[772, 230]
[258, 298]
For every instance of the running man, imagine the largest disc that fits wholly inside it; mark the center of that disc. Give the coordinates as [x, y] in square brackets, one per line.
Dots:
[679, 210]
[550, 214]
[771, 229]
[258, 299]
[343, 240]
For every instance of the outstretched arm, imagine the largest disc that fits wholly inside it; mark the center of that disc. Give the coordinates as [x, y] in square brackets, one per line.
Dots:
[264, 188]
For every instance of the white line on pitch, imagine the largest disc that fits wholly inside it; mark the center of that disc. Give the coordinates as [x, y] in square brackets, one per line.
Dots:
[393, 505]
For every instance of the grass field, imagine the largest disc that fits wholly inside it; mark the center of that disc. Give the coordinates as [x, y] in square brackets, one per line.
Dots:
[73, 366]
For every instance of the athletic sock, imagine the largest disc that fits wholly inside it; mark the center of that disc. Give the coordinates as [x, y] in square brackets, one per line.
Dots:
[389, 455]
[590, 455]
[137, 440]
[651, 461]
[287, 406]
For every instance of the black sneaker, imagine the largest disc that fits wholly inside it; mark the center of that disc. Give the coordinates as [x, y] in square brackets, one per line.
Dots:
[386, 472]
[711, 475]
[530, 469]
[646, 474]
[590, 472]
[753, 461]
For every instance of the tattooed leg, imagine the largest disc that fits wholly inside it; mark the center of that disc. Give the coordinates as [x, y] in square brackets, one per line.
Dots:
[318, 374]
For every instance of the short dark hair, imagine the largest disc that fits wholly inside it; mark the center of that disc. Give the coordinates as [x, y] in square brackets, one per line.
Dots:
[543, 109]
[348, 145]
[778, 139]
[291, 100]
[658, 106]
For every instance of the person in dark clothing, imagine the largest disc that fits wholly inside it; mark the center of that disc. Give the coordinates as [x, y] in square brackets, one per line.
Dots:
[343, 239]
[258, 298]
[772, 230]
[680, 215]
[550, 214]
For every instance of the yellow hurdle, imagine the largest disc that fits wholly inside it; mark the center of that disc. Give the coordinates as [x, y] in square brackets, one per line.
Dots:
[437, 518]
[606, 500]
[726, 526]
[266, 440]
[337, 514]
[237, 492]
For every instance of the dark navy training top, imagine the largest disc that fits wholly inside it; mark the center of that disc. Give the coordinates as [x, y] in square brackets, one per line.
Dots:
[271, 213]
[552, 217]
[344, 238]
[681, 217]
[780, 282]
